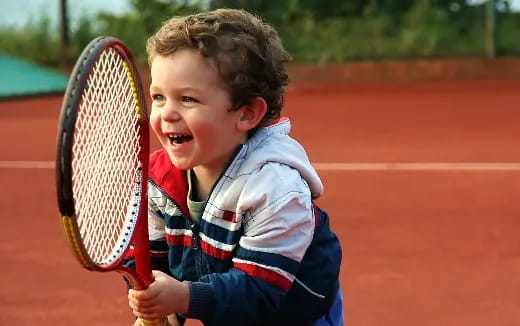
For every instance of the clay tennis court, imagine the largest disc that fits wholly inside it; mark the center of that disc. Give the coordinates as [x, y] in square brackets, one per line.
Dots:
[422, 185]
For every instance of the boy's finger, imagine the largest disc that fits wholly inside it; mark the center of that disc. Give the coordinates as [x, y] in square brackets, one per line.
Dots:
[141, 306]
[142, 295]
[158, 275]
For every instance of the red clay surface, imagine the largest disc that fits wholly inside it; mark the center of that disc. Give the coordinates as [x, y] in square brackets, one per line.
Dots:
[420, 247]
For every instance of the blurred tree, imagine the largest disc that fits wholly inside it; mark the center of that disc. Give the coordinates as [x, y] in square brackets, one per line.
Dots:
[316, 31]
[155, 12]
[64, 31]
[83, 34]
[490, 42]
[274, 11]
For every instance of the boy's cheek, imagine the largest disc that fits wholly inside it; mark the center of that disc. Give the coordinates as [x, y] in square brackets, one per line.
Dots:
[155, 123]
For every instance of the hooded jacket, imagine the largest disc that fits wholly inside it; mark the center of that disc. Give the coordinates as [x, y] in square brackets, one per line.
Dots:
[262, 252]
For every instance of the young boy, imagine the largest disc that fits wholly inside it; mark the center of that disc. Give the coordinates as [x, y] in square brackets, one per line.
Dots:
[230, 193]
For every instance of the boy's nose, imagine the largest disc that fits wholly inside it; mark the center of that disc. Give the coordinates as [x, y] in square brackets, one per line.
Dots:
[170, 113]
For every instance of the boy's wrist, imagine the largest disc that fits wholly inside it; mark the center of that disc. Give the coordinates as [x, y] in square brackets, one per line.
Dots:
[186, 302]
[201, 300]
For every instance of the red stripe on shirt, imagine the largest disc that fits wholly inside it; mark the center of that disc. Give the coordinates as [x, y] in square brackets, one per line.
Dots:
[229, 216]
[277, 121]
[265, 274]
[215, 252]
[178, 240]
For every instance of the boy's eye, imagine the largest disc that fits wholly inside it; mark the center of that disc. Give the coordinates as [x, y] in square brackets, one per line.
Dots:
[188, 99]
[158, 98]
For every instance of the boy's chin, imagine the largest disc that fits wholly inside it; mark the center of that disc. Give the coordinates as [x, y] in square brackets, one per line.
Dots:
[179, 163]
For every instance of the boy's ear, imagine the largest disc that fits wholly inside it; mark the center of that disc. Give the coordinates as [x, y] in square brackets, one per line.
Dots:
[252, 113]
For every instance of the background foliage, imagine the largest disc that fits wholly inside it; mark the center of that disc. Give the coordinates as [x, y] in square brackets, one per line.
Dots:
[314, 31]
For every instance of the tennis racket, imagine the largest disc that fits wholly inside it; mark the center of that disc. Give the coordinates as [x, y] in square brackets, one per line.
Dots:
[102, 163]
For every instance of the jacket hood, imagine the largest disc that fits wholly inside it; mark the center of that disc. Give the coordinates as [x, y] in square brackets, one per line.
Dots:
[273, 144]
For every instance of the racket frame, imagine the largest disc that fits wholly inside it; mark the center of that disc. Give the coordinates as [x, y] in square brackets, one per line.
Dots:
[141, 277]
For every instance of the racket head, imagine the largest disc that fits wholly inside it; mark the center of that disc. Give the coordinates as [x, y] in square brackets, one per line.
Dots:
[102, 160]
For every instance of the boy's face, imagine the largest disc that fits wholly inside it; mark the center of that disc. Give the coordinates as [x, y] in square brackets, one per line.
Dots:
[190, 112]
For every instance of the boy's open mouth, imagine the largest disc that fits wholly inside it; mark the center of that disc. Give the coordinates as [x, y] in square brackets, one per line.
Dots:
[179, 139]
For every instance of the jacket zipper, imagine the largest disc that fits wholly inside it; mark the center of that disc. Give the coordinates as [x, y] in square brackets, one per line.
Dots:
[203, 267]
[200, 266]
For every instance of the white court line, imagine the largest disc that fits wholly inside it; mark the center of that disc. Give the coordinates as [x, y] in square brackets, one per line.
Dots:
[26, 165]
[417, 166]
[336, 166]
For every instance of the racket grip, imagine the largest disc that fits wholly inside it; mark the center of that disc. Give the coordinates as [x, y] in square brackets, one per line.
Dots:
[155, 322]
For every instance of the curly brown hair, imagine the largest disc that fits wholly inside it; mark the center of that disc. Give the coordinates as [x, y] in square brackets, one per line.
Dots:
[248, 52]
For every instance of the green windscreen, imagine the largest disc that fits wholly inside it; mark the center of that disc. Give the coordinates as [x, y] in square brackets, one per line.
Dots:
[19, 78]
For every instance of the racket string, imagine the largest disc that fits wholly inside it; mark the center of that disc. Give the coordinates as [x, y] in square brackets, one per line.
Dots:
[106, 162]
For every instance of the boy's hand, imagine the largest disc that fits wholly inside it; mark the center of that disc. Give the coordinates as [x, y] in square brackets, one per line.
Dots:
[164, 296]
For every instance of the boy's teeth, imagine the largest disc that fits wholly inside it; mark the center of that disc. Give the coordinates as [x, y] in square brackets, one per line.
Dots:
[179, 139]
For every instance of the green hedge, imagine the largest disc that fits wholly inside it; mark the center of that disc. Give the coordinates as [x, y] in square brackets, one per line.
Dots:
[424, 30]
